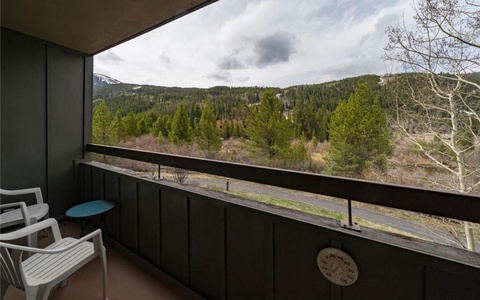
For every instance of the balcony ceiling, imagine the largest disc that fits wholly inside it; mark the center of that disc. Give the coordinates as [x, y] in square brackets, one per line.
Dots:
[92, 26]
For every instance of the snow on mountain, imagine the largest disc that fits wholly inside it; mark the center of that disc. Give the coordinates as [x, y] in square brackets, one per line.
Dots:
[103, 80]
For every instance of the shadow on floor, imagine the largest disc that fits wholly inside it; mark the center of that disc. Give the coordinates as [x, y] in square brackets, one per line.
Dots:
[128, 276]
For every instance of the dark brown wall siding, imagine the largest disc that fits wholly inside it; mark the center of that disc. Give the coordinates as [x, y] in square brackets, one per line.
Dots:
[129, 213]
[43, 89]
[23, 112]
[65, 89]
[149, 223]
[223, 250]
[175, 234]
[207, 241]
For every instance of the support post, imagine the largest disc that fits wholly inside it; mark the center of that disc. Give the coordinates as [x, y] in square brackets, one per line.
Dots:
[350, 224]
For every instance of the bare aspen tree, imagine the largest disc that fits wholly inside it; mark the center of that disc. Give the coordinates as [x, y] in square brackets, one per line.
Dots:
[441, 92]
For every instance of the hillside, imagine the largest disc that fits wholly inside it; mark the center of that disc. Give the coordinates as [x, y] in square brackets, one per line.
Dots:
[142, 98]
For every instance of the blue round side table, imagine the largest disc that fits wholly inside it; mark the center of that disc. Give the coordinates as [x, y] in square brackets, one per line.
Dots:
[90, 209]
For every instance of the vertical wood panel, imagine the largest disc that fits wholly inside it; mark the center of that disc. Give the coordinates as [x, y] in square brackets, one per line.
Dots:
[42, 107]
[149, 223]
[296, 272]
[207, 251]
[382, 276]
[65, 96]
[443, 286]
[269, 260]
[174, 235]
[246, 254]
[98, 189]
[87, 183]
[23, 112]
[433, 281]
[128, 213]
[112, 194]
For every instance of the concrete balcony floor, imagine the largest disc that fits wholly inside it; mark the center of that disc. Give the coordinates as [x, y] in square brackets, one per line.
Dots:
[128, 277]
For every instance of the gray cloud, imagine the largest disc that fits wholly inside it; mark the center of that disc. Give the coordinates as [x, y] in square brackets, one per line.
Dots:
[222, 76]
[260, 42]
[351, 11]
[366, 9]
[387, 20]
[165, 59]
[109, 57]
[229, 63]
[359, 65]
[243, 79]
[228, 77]
[275, 48]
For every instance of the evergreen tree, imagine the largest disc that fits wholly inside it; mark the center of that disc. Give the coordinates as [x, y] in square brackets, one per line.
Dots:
[101, 124]
[322, 118]
[226, 131]
[161, 125]
[150, 119]
[143, 126]
[181, 131]
[118, 129]
[237, 129]
[208, 138]
[156, 126]
[131, 124]
[270, 133]
[298, 157]
[359, 135]
[160, 137]
[314, 140]
[304, 117]
[298, 111]
[194, 114]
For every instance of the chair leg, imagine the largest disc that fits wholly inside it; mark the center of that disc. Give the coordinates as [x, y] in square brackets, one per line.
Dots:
[45, 231]
[103, 258]
[43, 292]
[63, 283]
[3, 288]
[31, 293]
[32, 240]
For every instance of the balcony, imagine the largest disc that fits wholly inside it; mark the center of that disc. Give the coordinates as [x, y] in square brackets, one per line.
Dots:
[225, 247]
[212, 244]
[218, 246]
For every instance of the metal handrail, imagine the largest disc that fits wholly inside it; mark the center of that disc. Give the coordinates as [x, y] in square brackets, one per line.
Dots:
[459, 206]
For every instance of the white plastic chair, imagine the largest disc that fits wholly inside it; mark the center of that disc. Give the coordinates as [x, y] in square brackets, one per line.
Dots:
[46, 268]
[23, 214]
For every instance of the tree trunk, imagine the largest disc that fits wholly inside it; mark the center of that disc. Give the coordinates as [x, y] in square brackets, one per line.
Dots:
[469, 235]
[462, 172]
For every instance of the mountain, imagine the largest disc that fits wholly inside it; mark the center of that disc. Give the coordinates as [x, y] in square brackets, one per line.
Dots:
[329, 93]
[103, 80]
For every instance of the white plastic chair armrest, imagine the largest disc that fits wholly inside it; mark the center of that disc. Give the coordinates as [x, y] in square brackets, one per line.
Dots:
[22, 232]
[23, 209]
[36, 190]
[38, 195]
[89, 236]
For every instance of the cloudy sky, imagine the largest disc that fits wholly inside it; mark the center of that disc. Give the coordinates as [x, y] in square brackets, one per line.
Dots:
[260, 43]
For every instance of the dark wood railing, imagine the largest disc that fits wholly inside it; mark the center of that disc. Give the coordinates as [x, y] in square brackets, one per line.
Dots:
[433, 202]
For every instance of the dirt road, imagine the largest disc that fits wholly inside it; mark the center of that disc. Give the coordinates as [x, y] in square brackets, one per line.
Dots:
[393, 222]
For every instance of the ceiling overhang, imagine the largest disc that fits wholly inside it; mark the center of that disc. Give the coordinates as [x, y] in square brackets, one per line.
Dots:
[92, 26]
